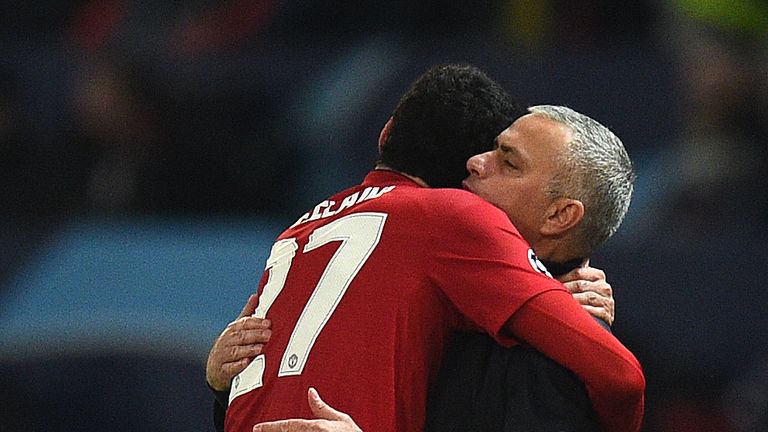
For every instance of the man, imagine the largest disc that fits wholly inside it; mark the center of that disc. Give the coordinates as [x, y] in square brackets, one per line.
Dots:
[457, 243]
[496, 389]
[485, 379]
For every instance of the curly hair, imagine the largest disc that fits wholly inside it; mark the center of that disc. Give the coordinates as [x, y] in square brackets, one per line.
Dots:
[449, 113]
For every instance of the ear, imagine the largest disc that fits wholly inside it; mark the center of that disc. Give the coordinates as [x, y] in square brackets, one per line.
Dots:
[562, 216]
[384, 134]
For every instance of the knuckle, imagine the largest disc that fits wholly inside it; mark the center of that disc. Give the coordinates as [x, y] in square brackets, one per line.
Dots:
[264, 323]
[255, 323]
[575, 287]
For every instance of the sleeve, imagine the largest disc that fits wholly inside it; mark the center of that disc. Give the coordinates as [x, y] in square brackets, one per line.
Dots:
[554, 324]
[604, 325]
[485, 268]
[220, 401]
[487, 271]
[219, 413]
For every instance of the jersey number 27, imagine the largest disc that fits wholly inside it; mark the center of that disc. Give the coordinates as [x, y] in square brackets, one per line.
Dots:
[359, 234]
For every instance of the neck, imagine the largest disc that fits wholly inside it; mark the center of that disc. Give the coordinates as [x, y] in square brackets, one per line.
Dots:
[554, 250]
[418, 180]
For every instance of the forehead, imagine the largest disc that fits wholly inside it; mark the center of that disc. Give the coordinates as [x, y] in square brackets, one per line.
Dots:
[536, 134]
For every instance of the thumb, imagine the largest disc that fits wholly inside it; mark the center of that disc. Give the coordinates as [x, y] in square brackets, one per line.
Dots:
[585, 263]
[250, 306]
[321, 409]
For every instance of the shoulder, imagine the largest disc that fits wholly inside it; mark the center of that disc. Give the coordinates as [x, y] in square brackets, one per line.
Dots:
[466, 216]
[458, 203]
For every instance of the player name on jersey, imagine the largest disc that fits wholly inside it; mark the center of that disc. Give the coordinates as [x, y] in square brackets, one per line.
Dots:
[328, 208]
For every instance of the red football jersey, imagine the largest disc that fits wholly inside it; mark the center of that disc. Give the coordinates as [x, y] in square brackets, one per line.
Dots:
[363, 292]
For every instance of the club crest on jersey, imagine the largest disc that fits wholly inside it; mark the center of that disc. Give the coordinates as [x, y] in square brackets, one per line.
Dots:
[292, 360]
[537, 264]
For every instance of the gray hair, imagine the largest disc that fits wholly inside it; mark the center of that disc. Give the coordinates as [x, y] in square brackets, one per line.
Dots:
[596, 170]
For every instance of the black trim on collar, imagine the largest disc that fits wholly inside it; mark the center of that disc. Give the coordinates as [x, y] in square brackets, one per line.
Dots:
[559, 269]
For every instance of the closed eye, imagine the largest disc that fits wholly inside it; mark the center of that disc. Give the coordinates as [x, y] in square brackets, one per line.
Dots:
[510, 155]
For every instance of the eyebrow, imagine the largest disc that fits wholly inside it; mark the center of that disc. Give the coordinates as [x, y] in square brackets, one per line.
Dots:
[507, 150]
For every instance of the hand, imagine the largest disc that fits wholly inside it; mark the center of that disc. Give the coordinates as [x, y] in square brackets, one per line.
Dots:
[236, 346]
[591, 290]
[328, 420]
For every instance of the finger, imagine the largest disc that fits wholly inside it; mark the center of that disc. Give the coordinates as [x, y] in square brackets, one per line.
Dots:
[241, 336]
[231, 369]
[583, 273]
[601, 313]
[292, 425]
[239, 352]
[246, 337]
[601, 288]
[589, 273]
[584, 263]
[250, 322]
[575, 286]
[591, 299]
[219, 373]
[321, 409]
[250, 306]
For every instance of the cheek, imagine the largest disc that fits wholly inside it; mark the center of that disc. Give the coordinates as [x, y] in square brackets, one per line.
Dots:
[523, 205]
[514, 198]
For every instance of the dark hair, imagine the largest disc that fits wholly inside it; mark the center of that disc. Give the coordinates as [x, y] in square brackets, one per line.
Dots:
[450, 113]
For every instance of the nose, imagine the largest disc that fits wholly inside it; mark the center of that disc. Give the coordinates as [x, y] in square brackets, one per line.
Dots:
[477, 165]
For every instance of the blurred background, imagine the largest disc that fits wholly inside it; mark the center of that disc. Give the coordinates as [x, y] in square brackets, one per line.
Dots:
[150, 152]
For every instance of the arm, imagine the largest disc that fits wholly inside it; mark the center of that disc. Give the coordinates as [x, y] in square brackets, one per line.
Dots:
[241, 341]
[514, 302]
[556, 326]
[483, 386]
[548, 388]
[540, 394]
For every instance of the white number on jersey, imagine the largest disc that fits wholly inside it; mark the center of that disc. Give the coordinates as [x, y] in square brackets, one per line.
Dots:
[359, 234]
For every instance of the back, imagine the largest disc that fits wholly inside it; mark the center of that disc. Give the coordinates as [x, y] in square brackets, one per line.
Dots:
[363, 292]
